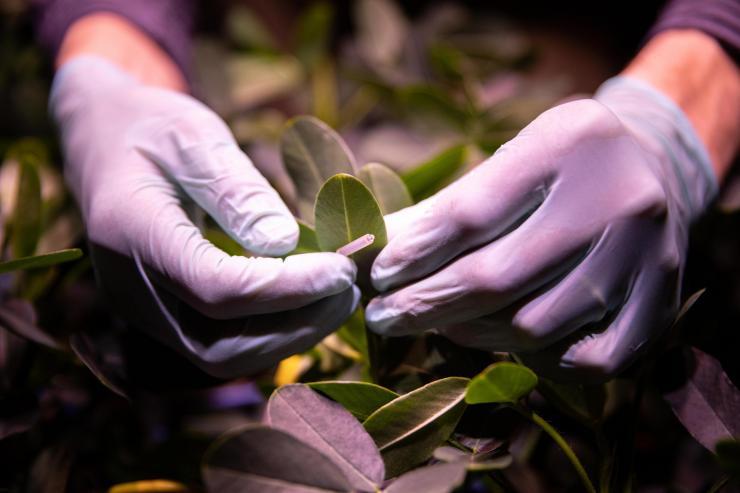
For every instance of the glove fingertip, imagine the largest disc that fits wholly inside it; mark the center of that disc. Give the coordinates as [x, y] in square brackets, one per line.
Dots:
[272, 235]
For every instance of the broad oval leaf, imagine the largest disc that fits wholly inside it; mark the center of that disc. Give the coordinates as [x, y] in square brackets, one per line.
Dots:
[439, 478]
[312, 153]
[387, 187]
[39, 261]
[429, 176]
[501, 382]
[330, 429]
[409, 428]
[359, 398]
[345, 210]
[259, 458]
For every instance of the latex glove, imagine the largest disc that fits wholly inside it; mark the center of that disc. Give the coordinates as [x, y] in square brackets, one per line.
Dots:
[568, 243]
[137, 159]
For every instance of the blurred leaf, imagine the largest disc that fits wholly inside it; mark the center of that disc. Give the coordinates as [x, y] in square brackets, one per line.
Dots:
[359, 398]
[707, 403]
[254, 79]
[149, 486]
[314, 29]
[325, 92]
[258, 458]
[688, 304]
[430, 176]
[439, 478]
[483, 459]
[382, 31]
[582, 402]
[290, 369]
[19, 316]
[501, 382]
[409, 428]
[50, 470]
[427, 100]
[65, 232]
[26, 224]
[312, 153]
[246, 30]
[354, 333]
[330, 429]
[728, 455]
[39, 261]
[12, 351]
[387, 187]
[102, 359]
[345, 210]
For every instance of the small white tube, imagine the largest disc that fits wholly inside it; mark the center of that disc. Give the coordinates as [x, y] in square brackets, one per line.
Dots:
[355, 246]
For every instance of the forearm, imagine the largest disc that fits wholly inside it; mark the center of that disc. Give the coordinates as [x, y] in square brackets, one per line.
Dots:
[693, 70]
[114, 38]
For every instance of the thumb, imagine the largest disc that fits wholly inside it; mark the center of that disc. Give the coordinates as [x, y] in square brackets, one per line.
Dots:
[197, 151]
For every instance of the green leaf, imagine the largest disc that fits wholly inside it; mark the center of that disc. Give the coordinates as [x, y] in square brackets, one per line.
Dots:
[246, 30]
[26, 223]
[330, 429]
[258, 458]
[382, 31]
[428, 177]
[409, 428]
[307, 241]
[345, 210]
[359, 398]
[439, 478]
[314, 29]
[387, 187]
[222, 241]
[312, 153]
[501, 382]
[39, 261]
[433, 101]
[582, 402]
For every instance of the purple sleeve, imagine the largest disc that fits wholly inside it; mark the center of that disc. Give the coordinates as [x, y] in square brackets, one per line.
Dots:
[168, 22]
[717, 18]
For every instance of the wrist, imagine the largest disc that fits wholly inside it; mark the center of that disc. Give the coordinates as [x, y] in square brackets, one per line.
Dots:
[691, 69]
[123, 44]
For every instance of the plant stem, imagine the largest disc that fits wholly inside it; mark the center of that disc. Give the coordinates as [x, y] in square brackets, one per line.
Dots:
[558, 438]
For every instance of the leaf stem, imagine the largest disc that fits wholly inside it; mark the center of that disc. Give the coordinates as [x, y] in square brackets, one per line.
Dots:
[560, 441]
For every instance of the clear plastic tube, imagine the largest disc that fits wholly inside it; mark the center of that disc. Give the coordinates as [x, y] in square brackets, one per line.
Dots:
[355, 246]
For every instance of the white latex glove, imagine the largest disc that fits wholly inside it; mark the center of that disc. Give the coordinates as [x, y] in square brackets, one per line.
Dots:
[568, 244]
[137, 157]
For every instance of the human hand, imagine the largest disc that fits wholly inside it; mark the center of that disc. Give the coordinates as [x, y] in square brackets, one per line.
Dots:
[567, 245]
[138, 160]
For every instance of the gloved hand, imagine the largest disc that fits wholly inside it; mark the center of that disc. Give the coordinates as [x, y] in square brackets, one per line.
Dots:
[138, 159]
[568, 243]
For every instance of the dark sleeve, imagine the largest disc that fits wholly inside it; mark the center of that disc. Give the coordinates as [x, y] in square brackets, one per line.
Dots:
[717, 18]
[168, 22]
